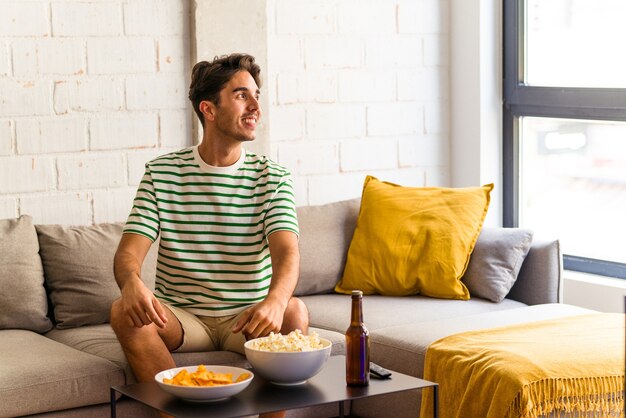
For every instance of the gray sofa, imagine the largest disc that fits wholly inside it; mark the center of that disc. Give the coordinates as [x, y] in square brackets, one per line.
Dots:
[59, 356]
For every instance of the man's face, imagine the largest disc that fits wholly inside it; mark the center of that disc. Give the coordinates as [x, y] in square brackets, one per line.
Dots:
[239, 110]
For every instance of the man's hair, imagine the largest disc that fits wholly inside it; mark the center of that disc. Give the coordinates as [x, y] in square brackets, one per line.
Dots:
[208, 78]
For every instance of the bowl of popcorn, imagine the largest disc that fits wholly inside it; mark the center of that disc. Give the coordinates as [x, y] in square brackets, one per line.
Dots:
[289, 359]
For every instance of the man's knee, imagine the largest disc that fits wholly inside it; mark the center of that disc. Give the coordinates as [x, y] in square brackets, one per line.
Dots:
[296, 316]
[115, 313]
[298, 307]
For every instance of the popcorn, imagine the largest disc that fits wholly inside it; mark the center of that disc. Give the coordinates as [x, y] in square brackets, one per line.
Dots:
[294, 341]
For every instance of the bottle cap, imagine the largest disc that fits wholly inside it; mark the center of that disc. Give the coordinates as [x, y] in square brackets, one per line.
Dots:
[357, 293]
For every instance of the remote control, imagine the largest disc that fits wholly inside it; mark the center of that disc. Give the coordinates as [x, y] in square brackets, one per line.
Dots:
[379, 372]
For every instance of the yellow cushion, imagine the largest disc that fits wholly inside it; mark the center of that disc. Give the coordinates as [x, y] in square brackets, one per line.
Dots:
[411, 240]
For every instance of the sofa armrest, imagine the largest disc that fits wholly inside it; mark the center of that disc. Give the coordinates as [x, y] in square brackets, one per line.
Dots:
[540, 278]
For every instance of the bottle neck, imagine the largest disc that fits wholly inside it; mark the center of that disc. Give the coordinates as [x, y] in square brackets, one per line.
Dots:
[357, 311]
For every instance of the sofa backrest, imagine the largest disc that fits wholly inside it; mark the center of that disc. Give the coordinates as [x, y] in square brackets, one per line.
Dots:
[325, 235]
[23, 303]
[540, 280]
[326, 232]
[78, 268]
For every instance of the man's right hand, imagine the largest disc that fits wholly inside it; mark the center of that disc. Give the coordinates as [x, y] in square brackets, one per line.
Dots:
[138, 302]
[141, 306]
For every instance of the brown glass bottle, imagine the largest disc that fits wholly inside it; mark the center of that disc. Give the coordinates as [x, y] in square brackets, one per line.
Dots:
[357, 345]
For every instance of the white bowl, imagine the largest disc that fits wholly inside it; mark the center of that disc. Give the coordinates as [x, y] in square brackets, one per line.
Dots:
[288, 368]
[204, 393]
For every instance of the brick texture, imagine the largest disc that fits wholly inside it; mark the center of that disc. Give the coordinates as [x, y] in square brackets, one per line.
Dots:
[371, 79]
[90, 90]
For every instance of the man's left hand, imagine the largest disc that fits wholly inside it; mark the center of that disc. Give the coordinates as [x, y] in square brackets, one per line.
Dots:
[261, 319]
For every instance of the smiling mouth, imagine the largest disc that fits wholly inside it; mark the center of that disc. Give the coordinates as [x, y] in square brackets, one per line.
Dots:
[250, 120]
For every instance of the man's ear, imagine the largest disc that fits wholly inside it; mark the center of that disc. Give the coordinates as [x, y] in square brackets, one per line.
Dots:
[208, 109]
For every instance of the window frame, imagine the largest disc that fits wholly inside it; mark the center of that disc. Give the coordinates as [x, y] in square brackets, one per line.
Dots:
[521, 100]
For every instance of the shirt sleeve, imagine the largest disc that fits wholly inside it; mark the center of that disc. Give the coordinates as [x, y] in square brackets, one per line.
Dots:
[281, 214]
[144, 216]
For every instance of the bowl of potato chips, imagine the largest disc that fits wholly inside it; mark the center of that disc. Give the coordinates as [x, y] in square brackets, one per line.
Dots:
[204, 383]
[288, 359]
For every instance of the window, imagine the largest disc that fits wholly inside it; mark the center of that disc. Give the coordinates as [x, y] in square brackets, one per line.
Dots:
[565, 127]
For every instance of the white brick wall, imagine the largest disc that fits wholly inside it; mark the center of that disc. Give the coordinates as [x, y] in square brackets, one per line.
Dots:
[4, 59]
[86, 19]
[52, 135]
[58, 208]
[127, 130]
[8, 208]
[24, 18]
[6, 137]
[359, 87]
[26, 174]
[89, 91]
[61, 56]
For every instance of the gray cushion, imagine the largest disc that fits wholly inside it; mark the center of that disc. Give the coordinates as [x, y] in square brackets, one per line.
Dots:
[332, 312]
[496, 261]
[78, 265]
[40, 375]
[100, 340]
[23, 302]
[325, 235]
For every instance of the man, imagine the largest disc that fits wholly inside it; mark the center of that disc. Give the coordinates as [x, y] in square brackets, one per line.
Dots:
[228, 253]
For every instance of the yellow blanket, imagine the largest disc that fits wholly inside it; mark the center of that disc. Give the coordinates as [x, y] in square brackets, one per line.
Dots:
[573, 364]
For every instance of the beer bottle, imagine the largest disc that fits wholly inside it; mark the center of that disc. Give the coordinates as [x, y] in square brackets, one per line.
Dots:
[357, 345]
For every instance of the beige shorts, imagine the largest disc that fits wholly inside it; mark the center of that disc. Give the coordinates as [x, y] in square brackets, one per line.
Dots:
[206, 333]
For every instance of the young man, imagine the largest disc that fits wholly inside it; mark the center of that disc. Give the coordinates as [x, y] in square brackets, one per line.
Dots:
[228, 257]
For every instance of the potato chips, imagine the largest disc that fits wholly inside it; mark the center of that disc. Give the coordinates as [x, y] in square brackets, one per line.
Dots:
[204, 377]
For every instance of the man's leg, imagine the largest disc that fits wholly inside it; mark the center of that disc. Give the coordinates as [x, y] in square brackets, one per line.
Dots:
[147, 348]
[296, 317]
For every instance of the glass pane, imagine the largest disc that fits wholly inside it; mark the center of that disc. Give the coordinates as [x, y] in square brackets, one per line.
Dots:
[576, 43]
[573, 184]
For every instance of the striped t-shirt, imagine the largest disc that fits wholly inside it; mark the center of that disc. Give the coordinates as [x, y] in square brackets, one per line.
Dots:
[213, 223]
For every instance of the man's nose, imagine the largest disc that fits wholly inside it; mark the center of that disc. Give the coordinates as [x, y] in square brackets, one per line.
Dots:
[253, 104]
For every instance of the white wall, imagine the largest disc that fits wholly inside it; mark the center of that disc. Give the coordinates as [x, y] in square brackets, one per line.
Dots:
[345, 97]
[476, 86]
[89, 91]
[605, 294]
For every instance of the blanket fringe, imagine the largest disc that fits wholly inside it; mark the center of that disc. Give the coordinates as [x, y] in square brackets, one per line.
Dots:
[593, 396]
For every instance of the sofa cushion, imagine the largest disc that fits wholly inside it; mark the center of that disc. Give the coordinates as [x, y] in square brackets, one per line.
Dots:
[325, 235]
[403, 347]
[411, 240]
[39, 375]
[23, 301]
[496, 262]
[78, 265]
[100, 340]
[332, 312]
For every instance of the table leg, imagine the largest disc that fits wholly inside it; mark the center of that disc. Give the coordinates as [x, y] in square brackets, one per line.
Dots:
[113, 404]
[341, 413]
[436, 401]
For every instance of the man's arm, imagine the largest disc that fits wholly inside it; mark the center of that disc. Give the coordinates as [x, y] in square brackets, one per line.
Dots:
[138, 302]
[267, 316]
